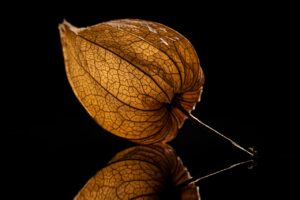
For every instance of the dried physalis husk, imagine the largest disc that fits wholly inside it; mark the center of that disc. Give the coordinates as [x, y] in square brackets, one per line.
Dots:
[141, 172]
[132, 76]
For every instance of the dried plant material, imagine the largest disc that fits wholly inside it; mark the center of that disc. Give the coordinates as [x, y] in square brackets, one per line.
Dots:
[132, 76]
[141, 172]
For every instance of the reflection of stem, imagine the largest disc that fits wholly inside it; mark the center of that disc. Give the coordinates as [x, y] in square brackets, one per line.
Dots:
[210, 129]
[197, 179]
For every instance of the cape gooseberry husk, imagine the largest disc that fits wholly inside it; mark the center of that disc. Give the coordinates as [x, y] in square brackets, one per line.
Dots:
[133, 76]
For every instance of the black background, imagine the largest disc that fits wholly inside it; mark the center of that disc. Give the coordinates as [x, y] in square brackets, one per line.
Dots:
[50, 146]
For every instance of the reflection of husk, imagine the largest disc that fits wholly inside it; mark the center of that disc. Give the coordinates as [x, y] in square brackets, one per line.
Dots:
[141, 172]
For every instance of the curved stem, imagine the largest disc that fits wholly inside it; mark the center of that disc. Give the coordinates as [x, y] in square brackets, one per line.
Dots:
[211, 130]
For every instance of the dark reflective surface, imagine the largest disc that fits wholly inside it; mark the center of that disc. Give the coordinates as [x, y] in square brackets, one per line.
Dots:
[50, 146]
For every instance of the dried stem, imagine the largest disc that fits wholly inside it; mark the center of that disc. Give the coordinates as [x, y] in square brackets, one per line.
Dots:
[204, 126]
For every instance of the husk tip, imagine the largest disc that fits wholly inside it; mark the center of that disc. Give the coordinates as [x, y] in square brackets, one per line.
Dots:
[66, 25]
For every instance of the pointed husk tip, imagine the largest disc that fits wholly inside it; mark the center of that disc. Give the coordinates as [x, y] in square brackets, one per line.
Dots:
[66, 25]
